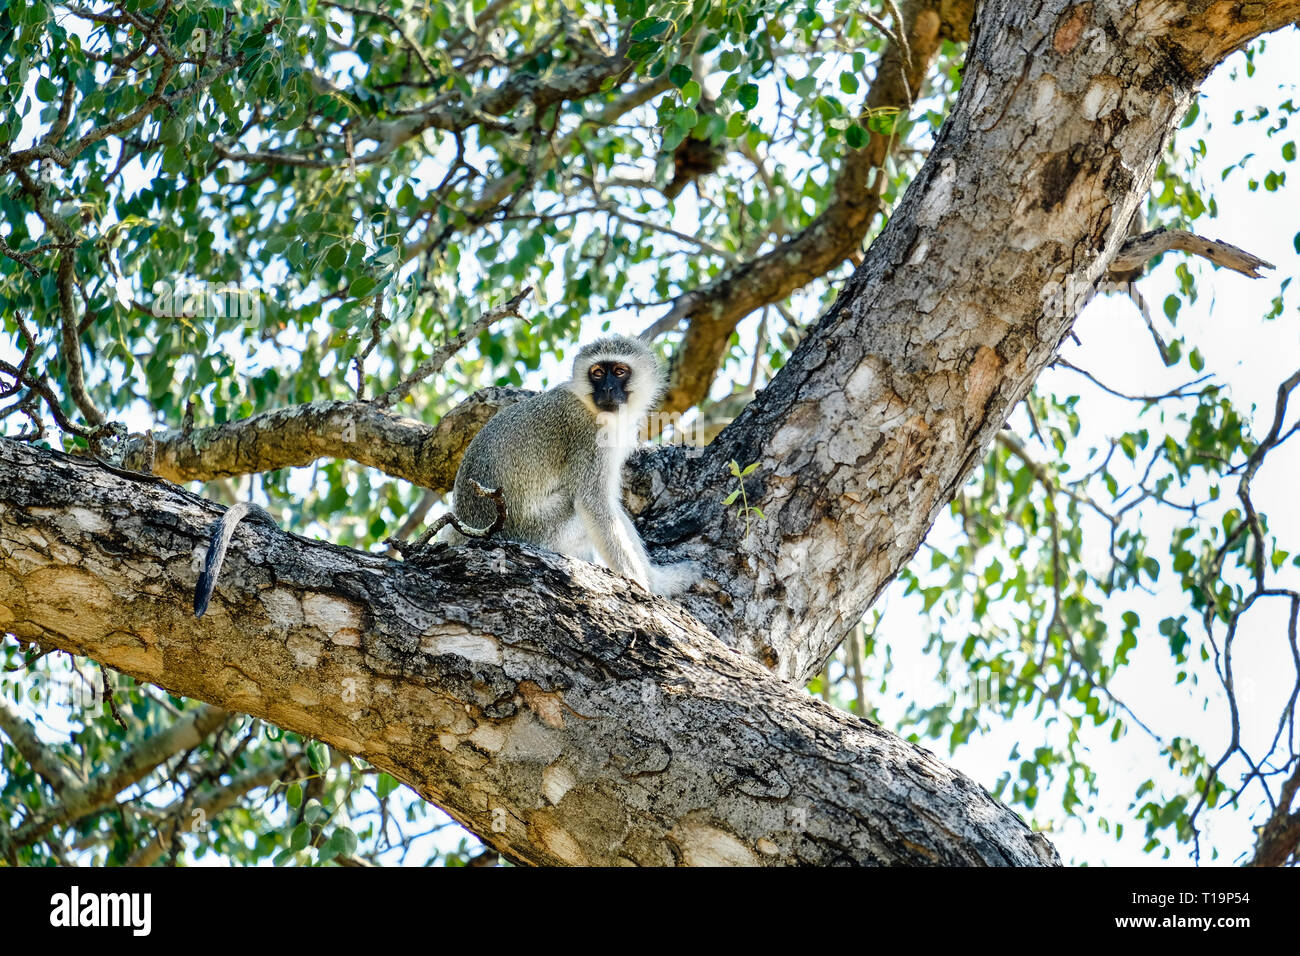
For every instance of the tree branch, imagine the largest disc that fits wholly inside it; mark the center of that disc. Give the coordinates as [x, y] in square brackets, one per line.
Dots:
[41, 759]
[1141, 249]
[554, 708]
[180, 815]
[131, 767]
[298, 435]
[445, 351]
[713, 311]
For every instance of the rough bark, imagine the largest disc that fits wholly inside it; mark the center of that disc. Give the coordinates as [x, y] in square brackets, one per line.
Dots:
[296, 436]
[552, 707]
[893, 396]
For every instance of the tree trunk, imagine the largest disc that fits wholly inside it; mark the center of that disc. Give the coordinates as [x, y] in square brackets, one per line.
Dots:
[894, 395]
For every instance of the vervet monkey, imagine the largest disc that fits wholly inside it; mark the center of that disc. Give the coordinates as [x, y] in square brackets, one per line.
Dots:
[557, 461]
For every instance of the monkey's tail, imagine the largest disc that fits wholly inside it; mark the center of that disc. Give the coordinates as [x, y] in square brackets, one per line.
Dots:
[217, 547]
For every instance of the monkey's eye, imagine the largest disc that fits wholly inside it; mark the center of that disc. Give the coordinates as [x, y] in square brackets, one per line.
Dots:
[621, 371]
[596, 372]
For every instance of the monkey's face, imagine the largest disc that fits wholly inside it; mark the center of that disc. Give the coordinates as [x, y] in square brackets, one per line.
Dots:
[610, 382]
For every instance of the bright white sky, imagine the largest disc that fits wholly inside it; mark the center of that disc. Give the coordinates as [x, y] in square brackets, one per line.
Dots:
[1252, 357]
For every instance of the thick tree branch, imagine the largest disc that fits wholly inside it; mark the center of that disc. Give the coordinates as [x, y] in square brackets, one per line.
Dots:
[894, 395]
[555, 709]
[1197, 35]
[298, 435]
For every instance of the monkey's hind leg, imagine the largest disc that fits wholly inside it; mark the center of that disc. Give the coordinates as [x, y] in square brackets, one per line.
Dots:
[664, 579]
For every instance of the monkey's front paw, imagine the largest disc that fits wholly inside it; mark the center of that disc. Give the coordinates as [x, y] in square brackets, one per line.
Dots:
[671, 579]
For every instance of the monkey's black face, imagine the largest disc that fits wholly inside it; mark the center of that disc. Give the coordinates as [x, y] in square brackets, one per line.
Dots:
[609, 383]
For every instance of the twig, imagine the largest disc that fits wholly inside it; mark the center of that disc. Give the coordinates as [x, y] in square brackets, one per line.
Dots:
[408, 549]
[441, 355]
[1180, 392]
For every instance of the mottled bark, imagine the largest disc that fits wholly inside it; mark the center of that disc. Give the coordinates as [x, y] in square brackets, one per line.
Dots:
[554, 708]
[301, 434]
[559, 711]
[893, 396]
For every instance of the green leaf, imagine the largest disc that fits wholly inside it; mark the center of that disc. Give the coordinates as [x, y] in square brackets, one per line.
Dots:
[748, 96]
[343, 841]
[362, 286]
[649, 27]
[318, 755]
[315, 813]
